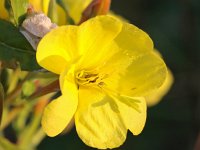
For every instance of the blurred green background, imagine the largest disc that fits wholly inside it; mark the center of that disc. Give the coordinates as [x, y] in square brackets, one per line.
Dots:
[173, 124]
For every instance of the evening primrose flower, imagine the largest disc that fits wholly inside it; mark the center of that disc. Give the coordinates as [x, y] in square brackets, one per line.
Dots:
[106, 67]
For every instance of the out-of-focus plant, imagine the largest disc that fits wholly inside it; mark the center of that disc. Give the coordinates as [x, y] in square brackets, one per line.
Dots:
[112, 61]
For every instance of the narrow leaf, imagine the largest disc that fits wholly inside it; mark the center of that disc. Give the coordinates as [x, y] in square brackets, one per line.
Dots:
[19, 8]
[14, 47]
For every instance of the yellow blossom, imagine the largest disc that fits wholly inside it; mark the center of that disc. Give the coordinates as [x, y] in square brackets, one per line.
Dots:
[75, 8]
[106, 69]
[3, 11]
[40, 5]
[44, 6]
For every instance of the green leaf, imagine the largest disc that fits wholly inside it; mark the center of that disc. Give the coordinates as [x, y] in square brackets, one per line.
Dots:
[1, 101]
[14, 47]
[19, 8]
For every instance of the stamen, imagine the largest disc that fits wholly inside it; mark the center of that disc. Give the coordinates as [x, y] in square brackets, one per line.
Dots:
[89, 78]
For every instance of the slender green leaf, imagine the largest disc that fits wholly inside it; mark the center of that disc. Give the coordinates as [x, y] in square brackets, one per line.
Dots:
[19, 8]
[14, 47]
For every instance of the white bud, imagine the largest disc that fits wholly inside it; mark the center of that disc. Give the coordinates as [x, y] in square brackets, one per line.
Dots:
[35, 27]
[38, 24]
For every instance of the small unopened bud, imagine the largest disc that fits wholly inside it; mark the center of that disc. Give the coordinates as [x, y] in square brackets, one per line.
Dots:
[103, 7]
[36, 26]
[96, 7]
[30, 9]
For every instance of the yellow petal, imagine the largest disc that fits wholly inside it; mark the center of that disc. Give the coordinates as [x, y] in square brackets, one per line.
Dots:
[134, 39]
[40, 5]
[99, 124]
[145, 74]
[45, 6]
[94, 36]
[136, 75]
[67, 80]
[37, 4]
[133, 113]
[135, 70]
[3, 11]
[133, 49]
[75, 8]
[57, 48]
[156, 96]
[115, 67]
[59, 112]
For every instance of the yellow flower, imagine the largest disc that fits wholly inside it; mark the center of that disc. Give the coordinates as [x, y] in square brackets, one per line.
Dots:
[44, 6]
[75, 8]
[40, 5]
[3, 11]
[106, 67]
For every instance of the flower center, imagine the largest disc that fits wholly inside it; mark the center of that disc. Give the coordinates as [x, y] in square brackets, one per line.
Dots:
[87, 78]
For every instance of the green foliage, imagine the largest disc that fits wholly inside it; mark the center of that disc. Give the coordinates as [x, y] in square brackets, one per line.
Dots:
[14, 47]
[19, 8]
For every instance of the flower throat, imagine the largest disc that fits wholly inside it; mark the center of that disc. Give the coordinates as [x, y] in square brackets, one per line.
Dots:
[87, 78]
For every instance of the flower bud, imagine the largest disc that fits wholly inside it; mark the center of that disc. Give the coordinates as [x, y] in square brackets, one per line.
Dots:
[36, 26]
[96, 7]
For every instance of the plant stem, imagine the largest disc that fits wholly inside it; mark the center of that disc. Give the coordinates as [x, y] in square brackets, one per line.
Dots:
[52, 87]
[11, 116]
[16, 91]
[7, 145]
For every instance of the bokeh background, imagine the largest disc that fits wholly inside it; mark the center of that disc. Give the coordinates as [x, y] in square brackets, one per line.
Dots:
[173, 124]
